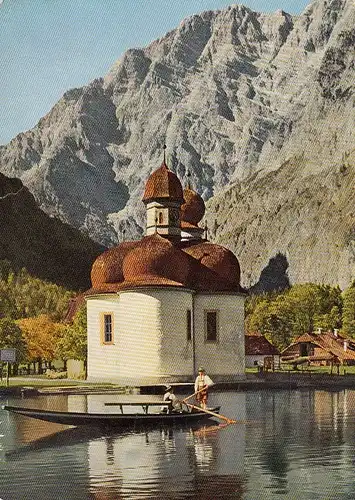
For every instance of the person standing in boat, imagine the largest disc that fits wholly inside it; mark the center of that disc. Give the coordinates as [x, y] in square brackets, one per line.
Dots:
[202, 383]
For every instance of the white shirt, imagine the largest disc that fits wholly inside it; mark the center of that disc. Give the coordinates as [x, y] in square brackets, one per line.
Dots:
[169, 396]
[201, 381]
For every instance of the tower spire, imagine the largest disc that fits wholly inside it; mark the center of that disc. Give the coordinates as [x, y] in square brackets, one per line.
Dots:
[164, 157]
[188, 175]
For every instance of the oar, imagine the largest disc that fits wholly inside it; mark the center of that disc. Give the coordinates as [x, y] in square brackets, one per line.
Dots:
[217, 415]
[194, 394]
[222, 417]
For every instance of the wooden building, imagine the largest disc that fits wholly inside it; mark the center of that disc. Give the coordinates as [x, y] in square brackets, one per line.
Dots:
[260, 352]
[322, 348]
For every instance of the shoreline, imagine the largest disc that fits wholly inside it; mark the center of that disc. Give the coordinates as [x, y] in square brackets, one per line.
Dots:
[261, 381]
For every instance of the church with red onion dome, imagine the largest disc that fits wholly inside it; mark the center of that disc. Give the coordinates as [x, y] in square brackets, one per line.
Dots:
[161, 306]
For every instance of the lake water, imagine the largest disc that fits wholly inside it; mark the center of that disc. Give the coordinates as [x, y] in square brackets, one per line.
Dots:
[288, 445]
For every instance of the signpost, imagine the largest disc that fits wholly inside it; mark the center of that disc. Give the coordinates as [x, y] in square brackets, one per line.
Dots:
[8, 356]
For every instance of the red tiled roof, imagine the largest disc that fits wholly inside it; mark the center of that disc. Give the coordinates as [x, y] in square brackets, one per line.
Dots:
[141, 281]
[256, 344]
[330, 343]
[74, 305]
[218, 259]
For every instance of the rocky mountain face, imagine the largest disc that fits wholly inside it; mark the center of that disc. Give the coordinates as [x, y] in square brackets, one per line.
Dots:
[257, 108]
[46, 247]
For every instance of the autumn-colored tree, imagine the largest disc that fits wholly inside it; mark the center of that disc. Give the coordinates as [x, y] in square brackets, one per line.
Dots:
[41, 335]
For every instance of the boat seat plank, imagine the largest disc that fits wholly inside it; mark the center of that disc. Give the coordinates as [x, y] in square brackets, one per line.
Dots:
[142, 403]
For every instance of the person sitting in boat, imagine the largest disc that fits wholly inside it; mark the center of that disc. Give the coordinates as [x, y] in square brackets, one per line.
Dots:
[169, 397]
[202, 383]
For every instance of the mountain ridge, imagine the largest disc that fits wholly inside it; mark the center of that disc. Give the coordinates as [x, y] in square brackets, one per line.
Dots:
[235, 95]
[46, 247]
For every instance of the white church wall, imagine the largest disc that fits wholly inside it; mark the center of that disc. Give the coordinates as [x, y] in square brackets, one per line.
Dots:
[102, 358]
[224, 359]
[140, 336]
[154, 346]
[149, 338]
[176, 353]
[150, 343]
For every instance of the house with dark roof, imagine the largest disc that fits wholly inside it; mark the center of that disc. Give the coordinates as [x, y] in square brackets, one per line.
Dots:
[321, 348]
[161, 306]
[260, 352]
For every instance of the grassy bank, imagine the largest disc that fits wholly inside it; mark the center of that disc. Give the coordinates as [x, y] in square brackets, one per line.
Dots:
[343, 370]
[46, 382]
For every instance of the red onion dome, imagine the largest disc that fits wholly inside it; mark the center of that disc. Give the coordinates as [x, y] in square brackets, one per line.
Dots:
[156, 257]
[193, 209]
[163, 183]
[107, 268]
[217, 258]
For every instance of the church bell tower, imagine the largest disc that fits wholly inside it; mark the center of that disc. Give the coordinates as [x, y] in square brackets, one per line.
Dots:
[163, 197]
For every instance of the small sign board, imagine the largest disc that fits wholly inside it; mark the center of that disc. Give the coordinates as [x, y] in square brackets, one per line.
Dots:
[8, 355]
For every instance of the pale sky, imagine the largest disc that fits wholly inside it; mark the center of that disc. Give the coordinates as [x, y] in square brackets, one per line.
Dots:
[50, 46]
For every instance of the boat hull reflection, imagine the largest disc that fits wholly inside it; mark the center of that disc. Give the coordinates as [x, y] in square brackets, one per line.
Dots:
[110, 419]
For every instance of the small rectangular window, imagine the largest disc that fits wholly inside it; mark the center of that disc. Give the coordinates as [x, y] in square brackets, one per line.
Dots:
[211, 326]
[107, 328]
[188, 325]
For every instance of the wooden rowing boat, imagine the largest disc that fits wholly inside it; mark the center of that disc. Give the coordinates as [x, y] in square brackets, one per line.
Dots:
[123, 419]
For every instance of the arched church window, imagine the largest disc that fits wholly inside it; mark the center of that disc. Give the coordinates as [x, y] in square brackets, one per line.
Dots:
[188, 324]
[211, 326]
[160, 218]
[107, 328]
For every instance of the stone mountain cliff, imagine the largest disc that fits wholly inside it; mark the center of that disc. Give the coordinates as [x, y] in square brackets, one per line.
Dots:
[257, 108]
[46, 247]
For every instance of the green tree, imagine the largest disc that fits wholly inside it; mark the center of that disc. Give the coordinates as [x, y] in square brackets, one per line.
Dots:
[73, 344]
[283, 316]
[329, 321]
[349, 311]
[23, 296]
[5, 269]
[272, 318]
[11, 337]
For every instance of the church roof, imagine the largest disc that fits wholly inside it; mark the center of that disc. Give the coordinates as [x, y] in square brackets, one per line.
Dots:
[193, 209]
[218, 259]
[163, 183]
[156, 261]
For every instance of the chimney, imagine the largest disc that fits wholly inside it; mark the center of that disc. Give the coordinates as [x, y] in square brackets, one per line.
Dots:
[336, 332]
[319, 330]
[345, 345]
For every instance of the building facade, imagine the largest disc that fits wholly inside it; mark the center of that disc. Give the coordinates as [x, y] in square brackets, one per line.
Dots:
[168, 303]
[260, 352]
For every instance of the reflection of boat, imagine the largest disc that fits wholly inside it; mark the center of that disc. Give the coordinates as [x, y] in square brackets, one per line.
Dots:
[116, 419]
[85, 434]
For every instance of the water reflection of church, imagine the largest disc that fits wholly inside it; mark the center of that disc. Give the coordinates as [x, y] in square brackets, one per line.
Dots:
[203, 462]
